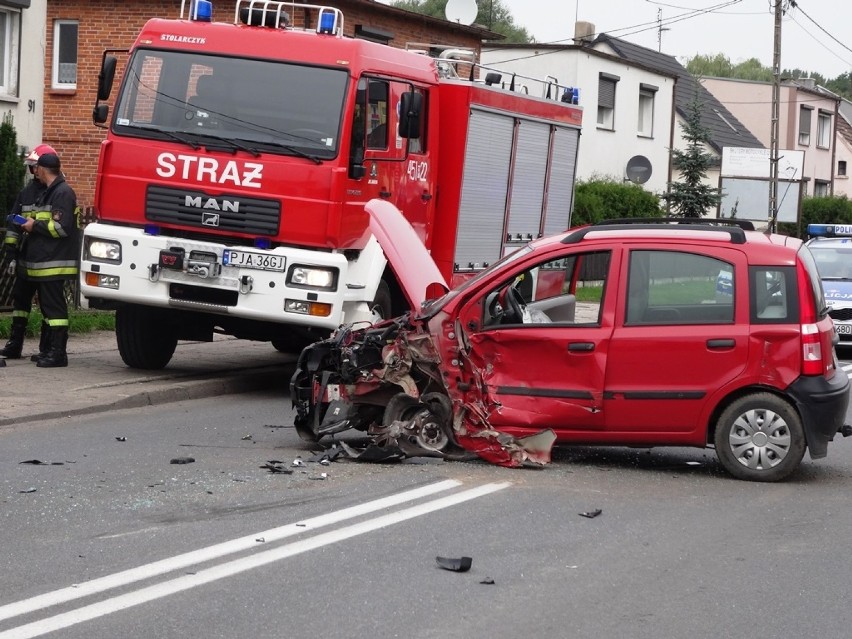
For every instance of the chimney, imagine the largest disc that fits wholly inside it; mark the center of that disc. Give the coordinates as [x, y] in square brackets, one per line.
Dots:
[584, 33]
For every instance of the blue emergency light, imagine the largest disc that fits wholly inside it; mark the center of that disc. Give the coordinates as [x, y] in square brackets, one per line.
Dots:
[327, 21]
[830, 230]
[262, 243]
[201, 10]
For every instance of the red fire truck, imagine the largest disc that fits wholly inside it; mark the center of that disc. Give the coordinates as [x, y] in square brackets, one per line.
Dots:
[231, 185]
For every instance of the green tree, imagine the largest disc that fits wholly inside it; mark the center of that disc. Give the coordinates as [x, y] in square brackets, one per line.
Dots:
[12, 169]
[491, 14]
[605, 198]
[691, 197]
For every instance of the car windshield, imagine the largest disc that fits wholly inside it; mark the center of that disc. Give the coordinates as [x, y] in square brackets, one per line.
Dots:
[833, 262]
[433, 306]
[265, 106]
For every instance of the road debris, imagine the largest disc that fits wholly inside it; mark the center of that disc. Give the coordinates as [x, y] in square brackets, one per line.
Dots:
[591, 514]
[455, 564]
[275, 466]
[182, 460]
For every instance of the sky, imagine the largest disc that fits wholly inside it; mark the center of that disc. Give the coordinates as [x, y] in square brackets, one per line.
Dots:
[740, 29]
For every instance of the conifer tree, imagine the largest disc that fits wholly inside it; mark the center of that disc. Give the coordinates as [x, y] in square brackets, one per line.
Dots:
[691, 197]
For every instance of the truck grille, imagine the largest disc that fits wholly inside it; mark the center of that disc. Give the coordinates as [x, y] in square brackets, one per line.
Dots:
[229, 213]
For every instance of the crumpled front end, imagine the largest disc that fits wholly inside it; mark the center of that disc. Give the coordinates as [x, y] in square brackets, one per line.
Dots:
[387, 380]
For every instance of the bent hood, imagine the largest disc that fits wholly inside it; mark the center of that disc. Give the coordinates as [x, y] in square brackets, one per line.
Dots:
[410, 261]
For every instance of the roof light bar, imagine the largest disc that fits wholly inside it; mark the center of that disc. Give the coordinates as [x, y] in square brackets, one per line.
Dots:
[201, 10]
[830, 230]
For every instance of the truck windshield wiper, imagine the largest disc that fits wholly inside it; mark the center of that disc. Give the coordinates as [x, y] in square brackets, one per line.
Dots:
[234, 143]
[174, 136]
[294, 149]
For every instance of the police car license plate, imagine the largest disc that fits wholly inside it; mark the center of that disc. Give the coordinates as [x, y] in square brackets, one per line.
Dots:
[843, 329]
[259, 261]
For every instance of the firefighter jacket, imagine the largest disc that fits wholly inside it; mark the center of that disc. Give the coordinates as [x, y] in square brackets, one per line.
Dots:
[28, 196]
[51, 250]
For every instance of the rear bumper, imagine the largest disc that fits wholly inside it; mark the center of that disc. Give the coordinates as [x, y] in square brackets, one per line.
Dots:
[822, 404]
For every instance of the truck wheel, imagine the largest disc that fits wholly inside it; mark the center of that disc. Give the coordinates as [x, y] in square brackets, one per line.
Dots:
[144, 340]
[760, 437]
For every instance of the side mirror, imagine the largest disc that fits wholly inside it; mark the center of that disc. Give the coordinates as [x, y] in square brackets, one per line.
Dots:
[410, 106]
[106, 77]
[100, 113]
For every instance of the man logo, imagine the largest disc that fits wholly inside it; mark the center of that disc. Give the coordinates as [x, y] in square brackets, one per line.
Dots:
[210, 219]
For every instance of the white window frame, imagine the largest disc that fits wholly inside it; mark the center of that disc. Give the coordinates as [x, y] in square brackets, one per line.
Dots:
[55, 76]
[10, 51]
[823, 130]
[645, 123]
[821, 188]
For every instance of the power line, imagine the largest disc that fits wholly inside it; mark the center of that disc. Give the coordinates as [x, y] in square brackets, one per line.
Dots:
[795, 5]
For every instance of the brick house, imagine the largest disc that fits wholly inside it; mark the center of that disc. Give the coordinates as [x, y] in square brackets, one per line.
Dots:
[85, 28]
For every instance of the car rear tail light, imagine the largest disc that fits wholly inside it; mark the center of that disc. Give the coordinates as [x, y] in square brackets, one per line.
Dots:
[813, 362]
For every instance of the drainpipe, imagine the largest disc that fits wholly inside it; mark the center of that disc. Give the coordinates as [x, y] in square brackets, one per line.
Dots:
[834, 143]
[671, 143]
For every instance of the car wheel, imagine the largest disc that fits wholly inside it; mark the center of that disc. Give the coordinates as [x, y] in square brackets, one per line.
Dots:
[760, 437]
[428, 421]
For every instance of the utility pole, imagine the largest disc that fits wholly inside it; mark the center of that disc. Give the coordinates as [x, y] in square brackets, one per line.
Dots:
[776, 110]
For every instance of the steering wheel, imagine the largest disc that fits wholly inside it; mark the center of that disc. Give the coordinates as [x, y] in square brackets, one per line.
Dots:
[514, 313]
[495, 308]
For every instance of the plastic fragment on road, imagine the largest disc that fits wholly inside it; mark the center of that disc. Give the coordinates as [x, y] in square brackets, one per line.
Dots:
[274, 466]
[182, 460]
[38, 462]
[455, 564]
[591, 514]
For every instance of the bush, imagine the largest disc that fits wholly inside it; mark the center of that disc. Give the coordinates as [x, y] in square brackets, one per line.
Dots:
[820, 210]
[607, 199]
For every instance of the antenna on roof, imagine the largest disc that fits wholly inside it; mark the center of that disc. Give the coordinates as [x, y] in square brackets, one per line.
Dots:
[660, 29]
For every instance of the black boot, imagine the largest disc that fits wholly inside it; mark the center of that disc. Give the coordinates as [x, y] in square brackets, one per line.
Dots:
[43, 343]
[15, 345]
[56, 356]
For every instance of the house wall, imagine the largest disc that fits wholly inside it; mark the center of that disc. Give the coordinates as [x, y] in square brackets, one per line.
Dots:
[602, 152]
[842, 185]
[751, 103]
[26, 105]
[113, 25]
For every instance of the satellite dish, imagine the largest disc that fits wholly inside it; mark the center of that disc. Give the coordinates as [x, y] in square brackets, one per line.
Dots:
[461, 11]
[638, 169]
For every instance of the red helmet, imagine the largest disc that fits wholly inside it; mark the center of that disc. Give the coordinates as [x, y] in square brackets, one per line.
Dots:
[37, 152]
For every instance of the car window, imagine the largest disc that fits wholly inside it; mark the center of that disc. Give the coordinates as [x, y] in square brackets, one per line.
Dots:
[773, 298]
[566, 290]
[675, 287]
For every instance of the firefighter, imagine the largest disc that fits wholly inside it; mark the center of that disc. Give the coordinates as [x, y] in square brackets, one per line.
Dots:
[23, 289]
[50, 253]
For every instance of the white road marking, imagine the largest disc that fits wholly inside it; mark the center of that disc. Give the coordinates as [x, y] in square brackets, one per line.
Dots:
[214, 552]
[847, 368]
[185, 582]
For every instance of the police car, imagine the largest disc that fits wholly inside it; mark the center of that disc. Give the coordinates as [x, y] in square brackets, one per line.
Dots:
[831, 246]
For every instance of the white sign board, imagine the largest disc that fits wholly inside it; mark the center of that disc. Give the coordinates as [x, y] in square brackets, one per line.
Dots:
[754, 163]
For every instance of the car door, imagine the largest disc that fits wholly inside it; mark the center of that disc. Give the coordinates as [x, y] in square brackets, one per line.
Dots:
[543, 372]
[681, 334]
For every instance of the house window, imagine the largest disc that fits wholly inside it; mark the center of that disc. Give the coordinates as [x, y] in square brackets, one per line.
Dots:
[841, 168]
[645, 124]
[606, 101]
[820, 188]
[824, 130]
[64, 54]
[805, 125]
[9, 51]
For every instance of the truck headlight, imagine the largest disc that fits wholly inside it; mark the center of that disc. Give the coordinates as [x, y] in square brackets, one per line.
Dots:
[98, 250]
[310, 277]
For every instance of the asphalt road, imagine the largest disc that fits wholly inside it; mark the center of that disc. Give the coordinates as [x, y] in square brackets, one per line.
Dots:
[108, 538]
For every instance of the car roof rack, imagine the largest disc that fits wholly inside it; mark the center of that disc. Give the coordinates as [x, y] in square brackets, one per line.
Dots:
[735, 228]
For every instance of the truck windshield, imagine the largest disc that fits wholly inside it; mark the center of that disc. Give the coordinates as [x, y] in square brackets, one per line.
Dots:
[270, 107]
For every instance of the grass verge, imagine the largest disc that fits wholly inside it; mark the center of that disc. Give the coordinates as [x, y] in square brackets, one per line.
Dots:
[78, 322]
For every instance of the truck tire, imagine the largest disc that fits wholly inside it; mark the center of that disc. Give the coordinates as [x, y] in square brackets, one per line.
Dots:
[382, 305]
[143, 341]
[759, 437]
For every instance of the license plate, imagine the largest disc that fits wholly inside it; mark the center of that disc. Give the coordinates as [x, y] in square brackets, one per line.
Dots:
[260, 261]
[843, 329]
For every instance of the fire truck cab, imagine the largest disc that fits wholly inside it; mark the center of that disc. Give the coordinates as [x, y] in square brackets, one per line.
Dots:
[231, 185]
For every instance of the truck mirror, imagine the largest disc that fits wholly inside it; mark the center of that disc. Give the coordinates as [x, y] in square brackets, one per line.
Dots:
[410, 106]
[106, 76]
[100, 113]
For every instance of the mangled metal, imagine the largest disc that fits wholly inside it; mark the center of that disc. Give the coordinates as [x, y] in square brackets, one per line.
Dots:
[388, 380]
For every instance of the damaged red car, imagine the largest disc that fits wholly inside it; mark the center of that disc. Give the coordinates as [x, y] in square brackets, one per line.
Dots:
[701, 333]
